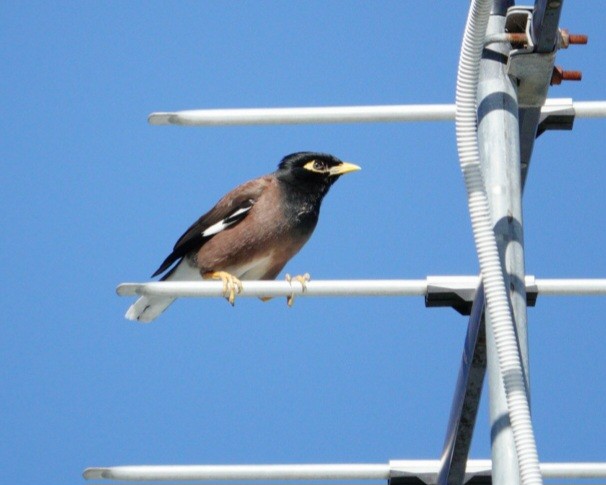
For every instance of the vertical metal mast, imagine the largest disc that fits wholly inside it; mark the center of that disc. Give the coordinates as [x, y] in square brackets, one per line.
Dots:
[499, 142]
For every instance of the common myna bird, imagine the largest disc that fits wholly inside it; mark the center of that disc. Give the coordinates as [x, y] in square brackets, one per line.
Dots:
[252, 232]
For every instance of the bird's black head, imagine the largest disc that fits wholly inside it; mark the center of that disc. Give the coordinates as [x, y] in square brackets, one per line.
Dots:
[312, 172]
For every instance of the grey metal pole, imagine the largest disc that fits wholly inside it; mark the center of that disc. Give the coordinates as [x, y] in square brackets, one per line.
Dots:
[466, 400]
[498, 132]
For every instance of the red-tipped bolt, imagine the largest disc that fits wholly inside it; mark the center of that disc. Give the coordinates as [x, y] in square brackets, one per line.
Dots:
[560, 75]
[577, 39]
[567, 38]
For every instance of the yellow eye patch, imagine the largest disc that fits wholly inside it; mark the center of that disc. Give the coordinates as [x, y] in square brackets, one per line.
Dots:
[315, 166]
[319, 166]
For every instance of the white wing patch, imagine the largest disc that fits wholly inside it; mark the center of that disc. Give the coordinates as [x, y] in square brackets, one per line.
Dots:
[226, 222]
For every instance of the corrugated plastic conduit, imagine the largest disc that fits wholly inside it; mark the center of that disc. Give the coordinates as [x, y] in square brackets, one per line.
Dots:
[486, 245]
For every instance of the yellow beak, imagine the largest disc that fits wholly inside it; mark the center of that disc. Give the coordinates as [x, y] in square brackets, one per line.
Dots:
[344, 168]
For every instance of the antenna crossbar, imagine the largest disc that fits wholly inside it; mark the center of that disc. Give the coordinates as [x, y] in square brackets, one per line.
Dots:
[350, 114]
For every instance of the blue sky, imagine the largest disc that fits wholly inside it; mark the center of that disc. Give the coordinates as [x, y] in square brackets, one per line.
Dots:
[93, 196]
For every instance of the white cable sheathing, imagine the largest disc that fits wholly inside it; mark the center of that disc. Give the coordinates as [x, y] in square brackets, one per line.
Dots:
[486, 245]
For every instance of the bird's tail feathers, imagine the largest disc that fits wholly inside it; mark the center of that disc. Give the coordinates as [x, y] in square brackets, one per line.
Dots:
[147, 308]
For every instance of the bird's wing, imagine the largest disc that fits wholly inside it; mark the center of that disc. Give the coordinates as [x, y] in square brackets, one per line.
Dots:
[229, 211]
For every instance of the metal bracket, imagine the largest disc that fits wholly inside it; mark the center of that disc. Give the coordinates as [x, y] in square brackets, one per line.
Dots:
[533, 70]
[556, 114]
[459, 293]
[479, 473]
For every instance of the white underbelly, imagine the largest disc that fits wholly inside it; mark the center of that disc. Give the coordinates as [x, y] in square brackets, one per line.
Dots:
[185, 272]
[253, 270]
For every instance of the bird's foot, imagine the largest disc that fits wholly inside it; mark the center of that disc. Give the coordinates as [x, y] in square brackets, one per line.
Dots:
[303, 279]
[231, 285]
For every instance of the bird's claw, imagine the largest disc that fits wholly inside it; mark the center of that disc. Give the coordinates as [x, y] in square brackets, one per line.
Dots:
[303, 279]
[232, 286]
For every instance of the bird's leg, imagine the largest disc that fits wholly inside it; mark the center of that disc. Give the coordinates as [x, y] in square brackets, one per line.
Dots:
[303, 279]
[231, 285]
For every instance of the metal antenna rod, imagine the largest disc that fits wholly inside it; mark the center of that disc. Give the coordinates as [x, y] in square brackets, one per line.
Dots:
[500, 156]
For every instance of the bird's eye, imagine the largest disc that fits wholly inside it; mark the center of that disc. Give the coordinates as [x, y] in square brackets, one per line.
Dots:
[319, 165]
